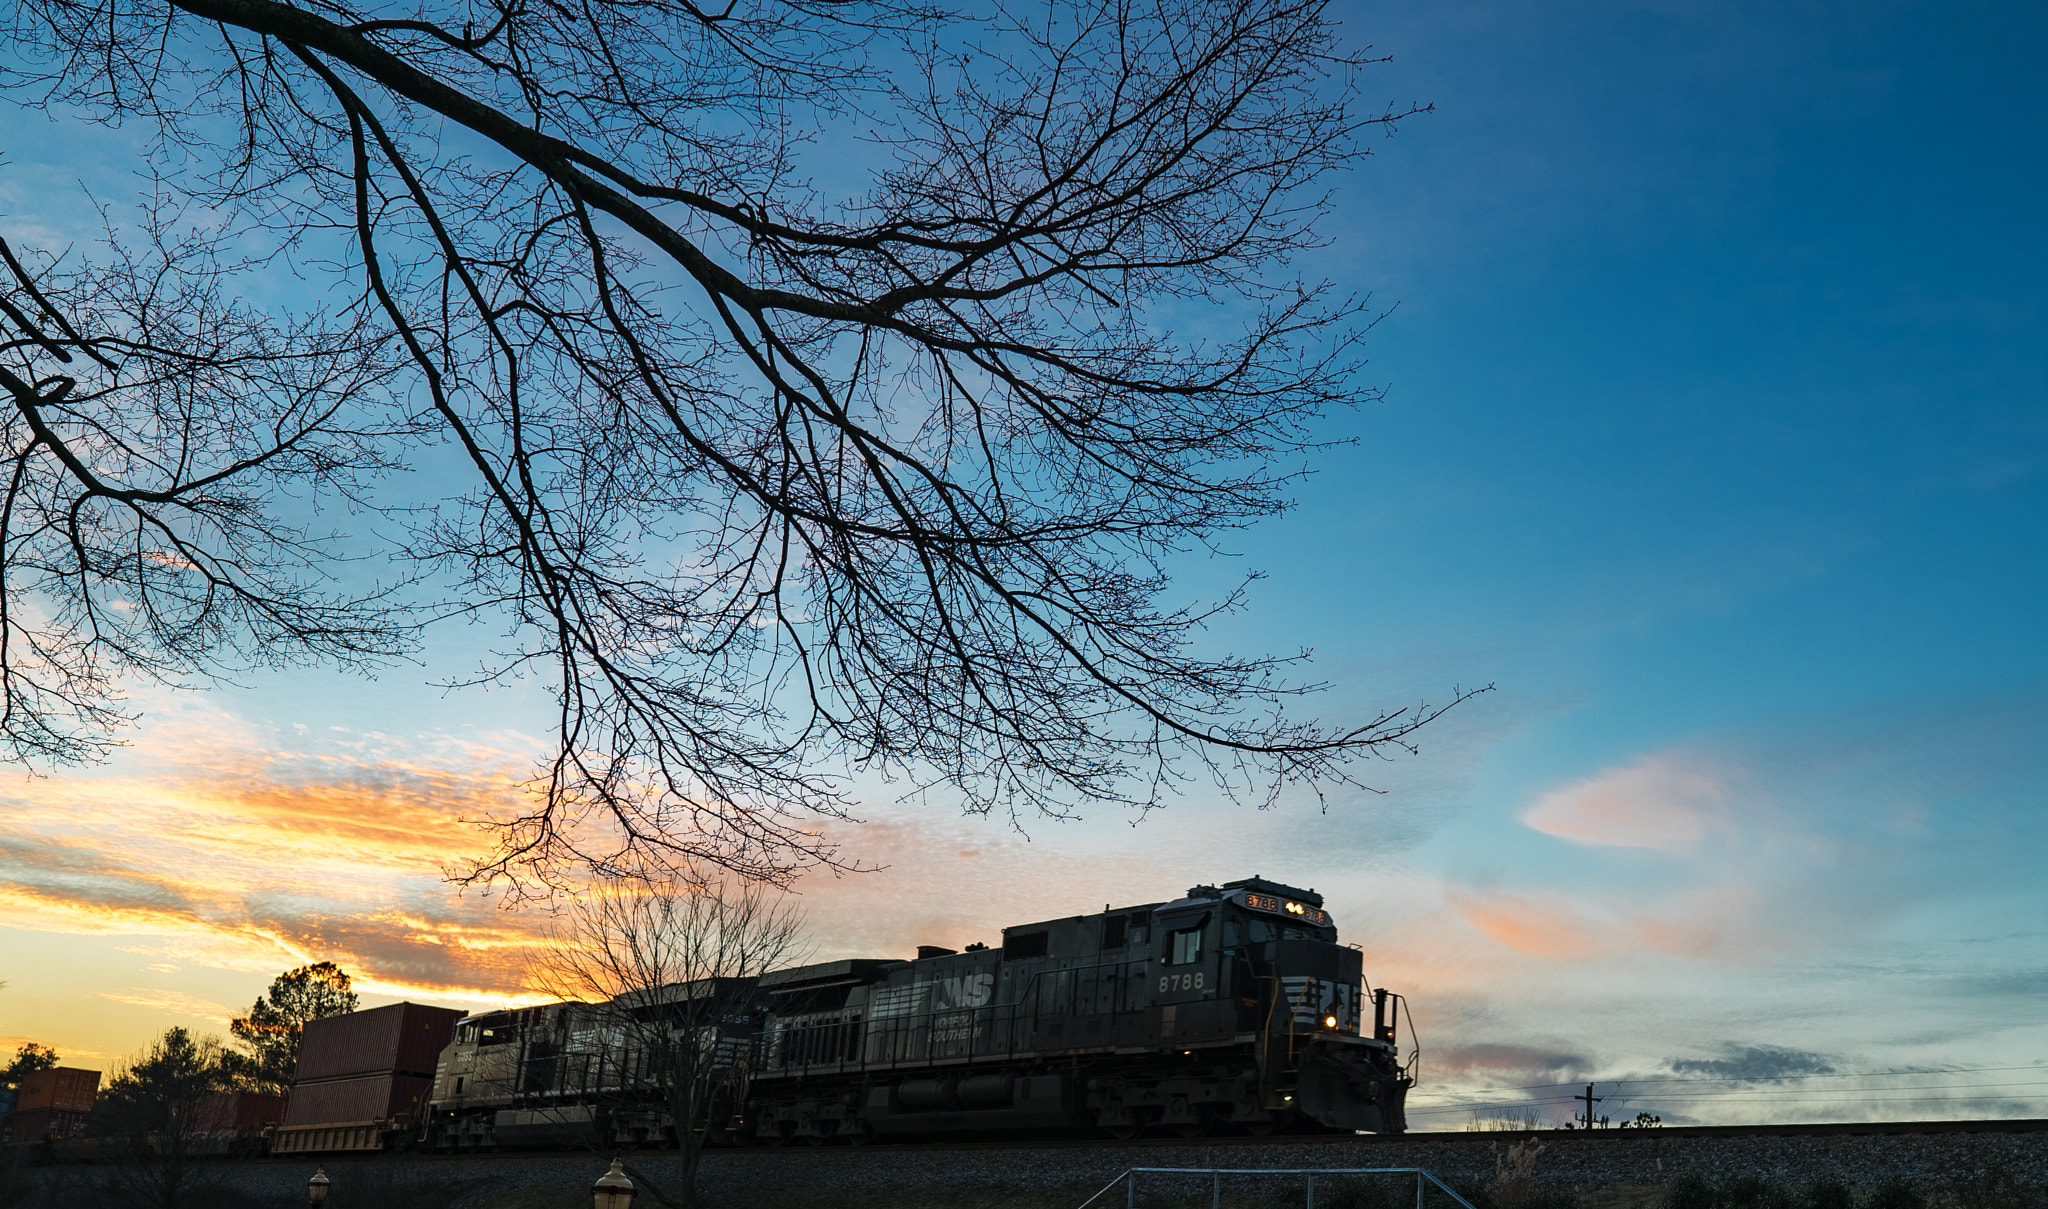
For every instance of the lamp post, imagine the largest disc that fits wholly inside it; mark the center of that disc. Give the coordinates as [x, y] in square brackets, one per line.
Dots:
[613, 1190]
[316, 1188]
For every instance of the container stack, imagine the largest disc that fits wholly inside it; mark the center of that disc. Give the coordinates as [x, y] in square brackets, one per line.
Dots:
[51, 1105]
[235, 1122]
[363, 1077]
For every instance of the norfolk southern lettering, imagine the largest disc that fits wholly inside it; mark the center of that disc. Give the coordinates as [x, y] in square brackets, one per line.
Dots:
[1232, 1009]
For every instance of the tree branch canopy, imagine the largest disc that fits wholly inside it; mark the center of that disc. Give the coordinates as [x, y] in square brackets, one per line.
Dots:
[773, 481]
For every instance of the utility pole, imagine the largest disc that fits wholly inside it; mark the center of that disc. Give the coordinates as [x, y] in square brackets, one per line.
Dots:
[1589, 1099]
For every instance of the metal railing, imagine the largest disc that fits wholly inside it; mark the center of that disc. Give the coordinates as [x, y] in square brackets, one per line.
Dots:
[1129, 1179]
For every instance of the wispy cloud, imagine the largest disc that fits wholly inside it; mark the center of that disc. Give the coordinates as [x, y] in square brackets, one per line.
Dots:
[174, 1002]
[238, 849]
[1756, 1062]
[1666, 803]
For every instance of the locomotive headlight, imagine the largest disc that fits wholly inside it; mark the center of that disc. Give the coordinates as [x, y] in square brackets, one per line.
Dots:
[1296, 909]
[1329, 1022]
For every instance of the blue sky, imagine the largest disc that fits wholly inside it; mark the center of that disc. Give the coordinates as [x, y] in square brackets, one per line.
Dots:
[1715, 436]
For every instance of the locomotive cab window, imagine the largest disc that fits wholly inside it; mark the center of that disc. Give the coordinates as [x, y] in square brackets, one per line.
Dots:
[1184, 946]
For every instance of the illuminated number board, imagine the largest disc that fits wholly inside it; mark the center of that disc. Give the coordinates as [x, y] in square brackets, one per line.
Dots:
[1266, 902]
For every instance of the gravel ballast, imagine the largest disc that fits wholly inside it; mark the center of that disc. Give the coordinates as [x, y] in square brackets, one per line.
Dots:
[1062, 1174]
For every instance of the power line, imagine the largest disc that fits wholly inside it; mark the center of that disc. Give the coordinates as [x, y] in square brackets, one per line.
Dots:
[1878, 1074]
[1817, 1091]
[1820, 1091]
[1426, 1112]
[1927, 1094]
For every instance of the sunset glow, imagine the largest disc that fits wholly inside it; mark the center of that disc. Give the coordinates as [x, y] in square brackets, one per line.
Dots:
[1715, 442]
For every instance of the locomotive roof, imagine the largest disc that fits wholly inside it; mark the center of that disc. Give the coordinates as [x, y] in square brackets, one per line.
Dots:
[1196, 896]
[826, 972]
[1260, 884]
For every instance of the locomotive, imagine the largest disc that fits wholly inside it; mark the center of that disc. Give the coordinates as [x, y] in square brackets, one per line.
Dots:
[1233, 1007]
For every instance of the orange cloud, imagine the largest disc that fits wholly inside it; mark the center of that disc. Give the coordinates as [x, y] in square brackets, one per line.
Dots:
[1659, 802]
[1540, 927]
[174, 1002]
[1711, 924]
[234, 850]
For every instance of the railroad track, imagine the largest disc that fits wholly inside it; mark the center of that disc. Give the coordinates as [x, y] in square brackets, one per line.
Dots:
[1443, 1137]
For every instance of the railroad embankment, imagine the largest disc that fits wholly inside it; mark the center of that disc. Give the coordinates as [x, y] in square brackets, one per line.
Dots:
[1949, 1170]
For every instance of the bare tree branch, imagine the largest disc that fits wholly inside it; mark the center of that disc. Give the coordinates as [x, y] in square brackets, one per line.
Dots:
[772, 487]
[661, 981]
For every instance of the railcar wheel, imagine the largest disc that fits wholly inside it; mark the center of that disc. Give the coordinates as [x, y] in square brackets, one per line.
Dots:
[1123, 1133]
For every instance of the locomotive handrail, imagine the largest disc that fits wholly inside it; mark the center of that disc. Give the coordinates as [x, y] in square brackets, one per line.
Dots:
[1129, 1178]
[1028, 994]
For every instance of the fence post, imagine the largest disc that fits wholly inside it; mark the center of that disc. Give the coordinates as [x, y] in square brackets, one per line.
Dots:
[1420, 1188]
[1216, 1190]
[1130, 1189]
[1311, 1190]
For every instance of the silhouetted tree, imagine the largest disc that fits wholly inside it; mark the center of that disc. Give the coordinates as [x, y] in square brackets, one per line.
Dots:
[666, 975]
[763, 482]
[29, 1059]
[271, 1030]
[150, 1108]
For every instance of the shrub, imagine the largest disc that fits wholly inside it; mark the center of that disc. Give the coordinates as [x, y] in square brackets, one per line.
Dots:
[1752, 1192]
[1354, 1192]
[1514, 1173]
[1689, 1191]
[1995, 1189]
[1479, 1193]
[1826, 1192]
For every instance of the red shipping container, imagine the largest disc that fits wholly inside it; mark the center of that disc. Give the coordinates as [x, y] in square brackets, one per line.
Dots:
[237, 1110]
[366, 1098]
[405, 1037]
[43, 1124]
[65, 1088]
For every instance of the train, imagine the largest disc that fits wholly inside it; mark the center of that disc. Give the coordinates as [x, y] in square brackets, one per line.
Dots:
[1232, 1008]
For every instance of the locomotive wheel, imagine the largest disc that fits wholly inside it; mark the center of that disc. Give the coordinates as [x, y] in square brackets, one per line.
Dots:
[1196, 1129]
[1123, 1133]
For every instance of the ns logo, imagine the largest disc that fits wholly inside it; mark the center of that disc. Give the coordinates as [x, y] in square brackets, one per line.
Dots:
[966, 991]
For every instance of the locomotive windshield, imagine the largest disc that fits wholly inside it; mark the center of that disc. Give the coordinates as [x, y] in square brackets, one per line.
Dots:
[494, 1029]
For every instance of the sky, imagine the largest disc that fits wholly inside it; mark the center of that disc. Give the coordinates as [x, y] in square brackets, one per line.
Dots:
[1715, 438]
